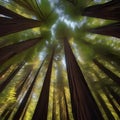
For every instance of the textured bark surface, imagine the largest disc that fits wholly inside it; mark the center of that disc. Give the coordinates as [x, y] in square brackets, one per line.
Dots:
[4, 84]
[23, 104]
[109, 10]
[11, 50]
[109, 73]
[41, 109]
[83, 105]
[109, 30]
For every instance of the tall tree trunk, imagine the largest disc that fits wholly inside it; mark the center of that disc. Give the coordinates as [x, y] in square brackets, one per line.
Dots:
[10, 77]
[66, 106]
[14, 23]
[8, 111]
[84, 106]
[41, 109]
[110, 30]
[54, 106]
[20, 109]
[106, 109]
[9, 51]
[114, 94]
[109, 10]
[110, 74]
[21, 85]
[4, 71]
[9, 13]
[111, 101]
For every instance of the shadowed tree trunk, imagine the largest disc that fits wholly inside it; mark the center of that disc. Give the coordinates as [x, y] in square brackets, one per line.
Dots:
[114, 94]
[22, 106]
[111, 101]
[4, 84]
[9, 51]
[4, 71]
[13, 22]
[54, 106]
[84, 106]
[110, 30]
[110, 74]
[21, 85]
[9, 13]
[26, 108]
[109, 10]
[106, 109]
[66, 106]
[41, 109]
[7, 112]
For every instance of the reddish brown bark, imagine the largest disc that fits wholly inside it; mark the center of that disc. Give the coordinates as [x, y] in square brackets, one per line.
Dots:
[109, 10]
[9, 51]
[83, 105]
[13, 22]
[4, 84]
[109, 30]
[109, 73]
[41, 109]
[23, 104]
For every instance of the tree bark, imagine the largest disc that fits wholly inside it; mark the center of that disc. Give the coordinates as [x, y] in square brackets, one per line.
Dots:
[84, 106]
[109, 10]
[110, 74]
[11, 50]
[10, 77]
[21, 108]
[104, 106]
[111, 101]
[41, 109]
[109, 30]
[13, 22]
[114, 94]
[54, 106]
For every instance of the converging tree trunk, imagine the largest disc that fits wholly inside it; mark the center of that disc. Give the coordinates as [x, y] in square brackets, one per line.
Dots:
[22, 106]
[11, 50]
[12, 22]
[109, 10]
[4, 84]
[109, 73]
[105, 107]
[111, 101]
[110, 30]
[41, 109]
[114, 94]
[54, 106]
[84, 106]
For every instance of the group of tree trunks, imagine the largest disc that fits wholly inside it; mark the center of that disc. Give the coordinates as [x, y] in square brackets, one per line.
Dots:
[110, 11]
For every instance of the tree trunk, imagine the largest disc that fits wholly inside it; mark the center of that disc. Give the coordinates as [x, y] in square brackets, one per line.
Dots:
[10, 77]
[109, 30]
[54, 106]
[9, 13]
[106, 109]
[114, 94]
[4, 71]
[109, 10]
[20, 109]
[41, 109]
[110, 74]
[14, 23]
[84, 106]
[111, 101]
[66, 106]
[11, 50]
[21, 85]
